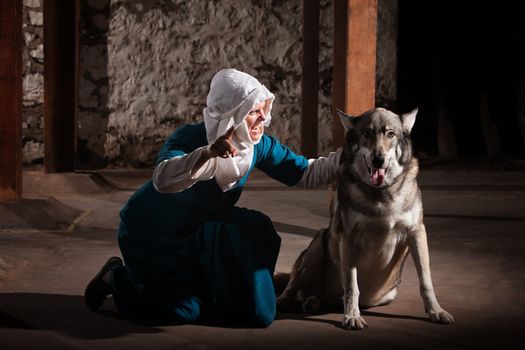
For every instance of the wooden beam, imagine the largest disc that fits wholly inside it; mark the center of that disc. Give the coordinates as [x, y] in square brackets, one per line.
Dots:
[355, 27]
[310, 78]
[10, 100]
[61, 52]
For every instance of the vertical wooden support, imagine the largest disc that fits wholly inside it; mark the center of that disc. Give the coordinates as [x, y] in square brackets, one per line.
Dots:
[10, 100]
[310, 82]
[355, 27]
[61, 52]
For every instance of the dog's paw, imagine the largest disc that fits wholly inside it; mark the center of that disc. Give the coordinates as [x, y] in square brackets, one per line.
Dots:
[311, 304]
[354, 322]
[441, 316]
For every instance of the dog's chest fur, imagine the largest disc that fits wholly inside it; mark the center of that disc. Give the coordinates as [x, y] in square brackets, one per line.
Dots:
[376, 238]
[376, 227]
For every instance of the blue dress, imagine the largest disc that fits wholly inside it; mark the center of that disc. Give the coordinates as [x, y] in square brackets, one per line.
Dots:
[193, 256]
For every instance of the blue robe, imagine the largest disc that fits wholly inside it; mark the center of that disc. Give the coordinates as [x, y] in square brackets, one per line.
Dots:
[193, 256]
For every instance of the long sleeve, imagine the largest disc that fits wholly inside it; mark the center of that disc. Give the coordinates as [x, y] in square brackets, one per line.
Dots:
[279, 162]
[174, 174]
[320, 171]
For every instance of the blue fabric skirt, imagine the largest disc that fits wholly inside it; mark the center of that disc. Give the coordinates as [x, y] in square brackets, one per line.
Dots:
[217, 270]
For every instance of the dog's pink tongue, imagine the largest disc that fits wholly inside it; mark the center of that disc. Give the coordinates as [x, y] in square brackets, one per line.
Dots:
[378, 176]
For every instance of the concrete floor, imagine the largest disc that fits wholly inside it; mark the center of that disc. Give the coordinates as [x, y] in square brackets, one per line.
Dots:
[476, 226]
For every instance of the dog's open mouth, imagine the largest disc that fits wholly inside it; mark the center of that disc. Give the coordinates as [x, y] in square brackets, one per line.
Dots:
[377, 175]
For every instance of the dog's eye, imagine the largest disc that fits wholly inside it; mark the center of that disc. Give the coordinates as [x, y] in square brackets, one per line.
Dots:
[390, 134]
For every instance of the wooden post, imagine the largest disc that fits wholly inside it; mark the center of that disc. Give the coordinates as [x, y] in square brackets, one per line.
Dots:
[61, 52]
[10, 100]
[310, 79]
[354, 72]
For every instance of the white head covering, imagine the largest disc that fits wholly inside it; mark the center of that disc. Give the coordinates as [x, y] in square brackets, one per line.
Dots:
[233, 94]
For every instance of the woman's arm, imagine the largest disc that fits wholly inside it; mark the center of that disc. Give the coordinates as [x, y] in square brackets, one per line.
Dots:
[283, 165]
[181, 172]
[321, 171]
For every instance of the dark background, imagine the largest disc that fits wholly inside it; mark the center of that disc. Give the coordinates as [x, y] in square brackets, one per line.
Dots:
[463, 59]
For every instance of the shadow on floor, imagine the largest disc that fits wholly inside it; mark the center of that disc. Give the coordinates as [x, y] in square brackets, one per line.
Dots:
[476, 217]
[294, 229]
[96, 233]
[66, 314]
[47, 214]
[299, 315]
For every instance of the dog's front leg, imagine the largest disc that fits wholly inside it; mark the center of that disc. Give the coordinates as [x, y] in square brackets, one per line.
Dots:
[418, 246]
[352, 316]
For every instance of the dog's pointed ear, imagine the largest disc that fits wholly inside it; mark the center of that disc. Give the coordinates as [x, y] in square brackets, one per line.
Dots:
[408, 120]
[346, 120]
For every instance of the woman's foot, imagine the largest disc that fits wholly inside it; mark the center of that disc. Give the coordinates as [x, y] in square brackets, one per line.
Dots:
[98, 289]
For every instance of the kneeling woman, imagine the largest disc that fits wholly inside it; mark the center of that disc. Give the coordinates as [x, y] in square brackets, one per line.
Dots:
[190, 255]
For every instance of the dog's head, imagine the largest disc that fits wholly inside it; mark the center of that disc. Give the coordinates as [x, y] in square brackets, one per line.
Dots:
[377, 145]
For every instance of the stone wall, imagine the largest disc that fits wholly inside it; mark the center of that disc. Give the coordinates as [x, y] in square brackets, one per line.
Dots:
[162, 56]
[33, 81]
[145, 68]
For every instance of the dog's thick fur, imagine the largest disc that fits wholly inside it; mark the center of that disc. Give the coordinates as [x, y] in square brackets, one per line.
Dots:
[376, 220]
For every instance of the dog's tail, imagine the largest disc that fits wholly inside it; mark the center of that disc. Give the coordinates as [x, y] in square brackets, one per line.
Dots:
[280, 281]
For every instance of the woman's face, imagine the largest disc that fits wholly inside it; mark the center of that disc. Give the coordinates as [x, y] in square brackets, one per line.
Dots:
[255, 121]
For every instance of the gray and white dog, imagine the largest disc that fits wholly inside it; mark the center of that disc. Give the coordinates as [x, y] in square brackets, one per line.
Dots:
[376, 220]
